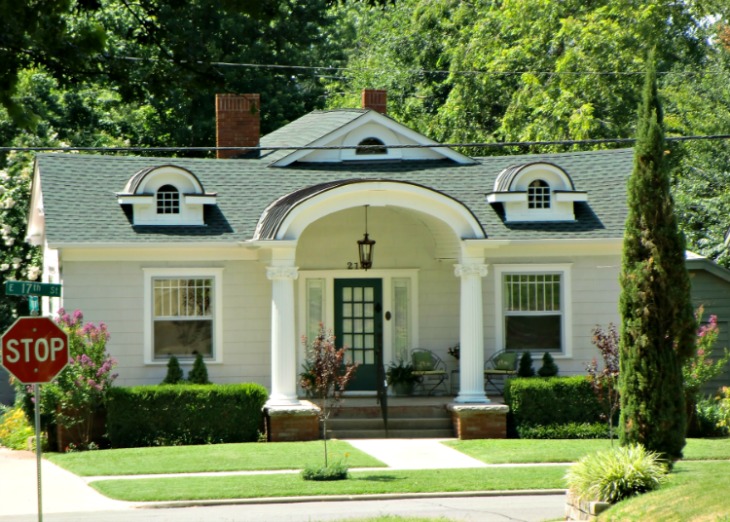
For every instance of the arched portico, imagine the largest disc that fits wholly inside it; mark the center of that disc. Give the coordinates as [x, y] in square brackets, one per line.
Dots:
[453, 224]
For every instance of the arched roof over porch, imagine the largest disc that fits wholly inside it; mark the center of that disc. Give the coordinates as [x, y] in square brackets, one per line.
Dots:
[287, 217]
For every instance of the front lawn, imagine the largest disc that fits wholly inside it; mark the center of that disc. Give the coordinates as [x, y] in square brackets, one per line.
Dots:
[500, 451]
[695, 491]
[251, 456]
[360, 483]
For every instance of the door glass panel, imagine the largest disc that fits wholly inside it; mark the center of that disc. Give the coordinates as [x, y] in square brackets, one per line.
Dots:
[369, 326]
[315, 306]
[401, 317]
[357, 310]
[357, 326]
[369, 357]
[357, 294]
[347, 294]
[369, 294]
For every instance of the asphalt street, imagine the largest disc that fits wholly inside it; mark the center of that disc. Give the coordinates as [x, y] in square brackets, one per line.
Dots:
[532, 508]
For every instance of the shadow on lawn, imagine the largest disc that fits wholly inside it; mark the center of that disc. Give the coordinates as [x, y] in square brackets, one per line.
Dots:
[377, 478]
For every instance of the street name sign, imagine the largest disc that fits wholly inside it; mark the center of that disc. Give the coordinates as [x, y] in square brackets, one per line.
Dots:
[32, 288]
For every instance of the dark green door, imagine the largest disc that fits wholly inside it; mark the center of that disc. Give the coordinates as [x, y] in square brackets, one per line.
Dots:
[359, 326]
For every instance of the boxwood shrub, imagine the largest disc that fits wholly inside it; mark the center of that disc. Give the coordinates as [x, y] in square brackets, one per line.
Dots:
[166, 415]
[550, 402]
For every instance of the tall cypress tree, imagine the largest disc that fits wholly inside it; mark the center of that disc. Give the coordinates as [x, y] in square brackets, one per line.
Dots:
[657, 318]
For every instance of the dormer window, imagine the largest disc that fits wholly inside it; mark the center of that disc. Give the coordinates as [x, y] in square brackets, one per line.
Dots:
[370, 146]
[538, 194]
[166, 195]
[168, 200]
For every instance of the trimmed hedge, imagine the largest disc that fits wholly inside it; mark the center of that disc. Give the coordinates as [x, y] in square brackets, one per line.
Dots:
[548, 402]
[168, 415]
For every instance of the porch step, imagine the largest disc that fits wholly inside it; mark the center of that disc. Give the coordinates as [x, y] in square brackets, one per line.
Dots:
[407, 421]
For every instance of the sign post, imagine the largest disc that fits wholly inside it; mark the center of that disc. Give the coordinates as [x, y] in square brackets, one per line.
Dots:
[34, 350]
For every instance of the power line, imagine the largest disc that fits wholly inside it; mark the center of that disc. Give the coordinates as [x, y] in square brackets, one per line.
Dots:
[618, 141]
[330, 69]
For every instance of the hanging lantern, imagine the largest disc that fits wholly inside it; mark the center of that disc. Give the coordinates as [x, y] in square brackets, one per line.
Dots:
[365, 246]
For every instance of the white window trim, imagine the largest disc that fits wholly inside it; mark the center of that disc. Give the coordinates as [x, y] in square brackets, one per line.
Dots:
[566, 300]
[217, 275]
[329, 277]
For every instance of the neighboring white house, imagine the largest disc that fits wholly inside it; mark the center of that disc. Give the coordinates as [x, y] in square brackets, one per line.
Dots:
[238, 258]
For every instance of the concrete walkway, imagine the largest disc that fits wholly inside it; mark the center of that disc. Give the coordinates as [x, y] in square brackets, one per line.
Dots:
[415, 453]
[64, 492]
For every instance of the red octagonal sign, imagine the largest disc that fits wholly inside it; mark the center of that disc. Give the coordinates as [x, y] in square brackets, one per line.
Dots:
[34, 350]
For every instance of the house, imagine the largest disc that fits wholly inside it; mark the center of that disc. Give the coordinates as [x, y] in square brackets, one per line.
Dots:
[238, 257]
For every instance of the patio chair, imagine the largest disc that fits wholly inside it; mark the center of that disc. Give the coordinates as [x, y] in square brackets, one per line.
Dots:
[498, 368]
[430, 369]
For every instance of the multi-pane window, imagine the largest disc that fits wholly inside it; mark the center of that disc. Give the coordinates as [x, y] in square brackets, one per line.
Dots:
[370, 146]
[182, 317]
[538, 194]
[168, 200]
[532, 311]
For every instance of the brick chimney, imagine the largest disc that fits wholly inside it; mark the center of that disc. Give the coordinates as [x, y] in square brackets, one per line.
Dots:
[376, 100]
[238, 123]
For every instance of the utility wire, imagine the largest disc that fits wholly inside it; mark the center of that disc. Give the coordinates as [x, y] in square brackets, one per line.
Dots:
[328, 68]
[619, 141]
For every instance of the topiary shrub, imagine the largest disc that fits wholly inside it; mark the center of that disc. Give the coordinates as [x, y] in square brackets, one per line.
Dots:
[167, 415]
[525, 369]
[548, 368]
[199, 372]
[616, 474]
[550, 401]
[174, 372]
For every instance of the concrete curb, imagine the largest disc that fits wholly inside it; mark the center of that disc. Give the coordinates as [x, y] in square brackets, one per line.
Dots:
[341, 498]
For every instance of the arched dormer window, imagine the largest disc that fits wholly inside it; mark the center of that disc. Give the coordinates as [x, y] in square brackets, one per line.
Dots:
[168, 200]
[370, 146]
[538, 194]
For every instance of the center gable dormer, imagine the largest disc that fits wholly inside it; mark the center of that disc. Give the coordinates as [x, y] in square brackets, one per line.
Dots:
[166, 195]
[352, 135]
[535, 192]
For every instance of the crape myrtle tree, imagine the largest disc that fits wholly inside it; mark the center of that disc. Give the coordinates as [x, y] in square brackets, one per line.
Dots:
[658, 324]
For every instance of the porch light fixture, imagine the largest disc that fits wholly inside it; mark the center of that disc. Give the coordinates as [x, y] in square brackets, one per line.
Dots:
[365, 246]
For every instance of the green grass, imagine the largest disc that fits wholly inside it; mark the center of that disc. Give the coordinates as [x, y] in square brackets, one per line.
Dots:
[360, 483]
[216, 457]
[500, 451]
[694, 491]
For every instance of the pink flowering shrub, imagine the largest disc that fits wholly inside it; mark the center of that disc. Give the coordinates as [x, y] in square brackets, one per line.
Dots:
[76, 395]
[701, 367]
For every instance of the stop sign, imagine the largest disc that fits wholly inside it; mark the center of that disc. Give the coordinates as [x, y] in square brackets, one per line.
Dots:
[34, 350]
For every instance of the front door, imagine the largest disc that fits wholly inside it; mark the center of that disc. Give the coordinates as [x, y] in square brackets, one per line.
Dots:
[359, 327]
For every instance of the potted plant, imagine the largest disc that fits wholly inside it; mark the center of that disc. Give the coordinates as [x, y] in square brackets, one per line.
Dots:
[401, 377]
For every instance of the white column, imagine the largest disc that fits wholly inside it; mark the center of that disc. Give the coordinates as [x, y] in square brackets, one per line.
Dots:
[283, 337]
[471, 328]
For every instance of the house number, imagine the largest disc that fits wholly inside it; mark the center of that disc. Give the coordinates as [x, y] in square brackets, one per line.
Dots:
[352, 266]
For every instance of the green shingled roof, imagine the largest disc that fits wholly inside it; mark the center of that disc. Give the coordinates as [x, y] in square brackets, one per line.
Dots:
[80, 203]
[306, 130]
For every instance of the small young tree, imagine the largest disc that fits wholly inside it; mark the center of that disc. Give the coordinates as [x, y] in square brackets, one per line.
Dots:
[199, 372]
[548, 368]
[525, 368]
[174, 372]
[605, 381]
[658, 325]
[331, 376]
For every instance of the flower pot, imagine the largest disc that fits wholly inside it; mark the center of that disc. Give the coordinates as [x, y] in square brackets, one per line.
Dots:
[403, 388]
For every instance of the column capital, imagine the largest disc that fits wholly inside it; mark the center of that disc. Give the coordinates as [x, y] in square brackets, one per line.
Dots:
[480, 270]
[282, 272]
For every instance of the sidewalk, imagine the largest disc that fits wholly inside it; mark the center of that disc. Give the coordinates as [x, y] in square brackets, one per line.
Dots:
[64, 492]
